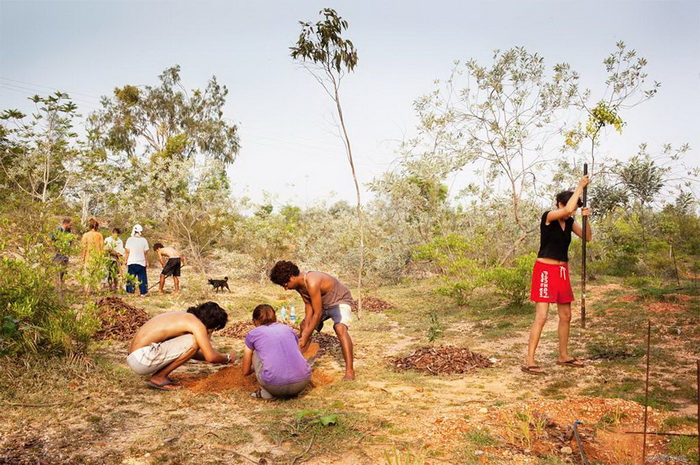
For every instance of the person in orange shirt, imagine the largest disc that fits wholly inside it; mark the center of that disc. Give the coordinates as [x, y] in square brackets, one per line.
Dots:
[93, 251]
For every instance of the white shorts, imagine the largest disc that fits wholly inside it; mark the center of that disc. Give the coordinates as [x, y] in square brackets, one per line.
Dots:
[151, 358]
[341, 313]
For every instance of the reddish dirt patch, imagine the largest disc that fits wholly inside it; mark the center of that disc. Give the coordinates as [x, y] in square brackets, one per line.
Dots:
[442, 360]
[678, 297]
[628, 298]
[231, 378]
[227, 378]
[319, 378]
[663, 308]
[545, 426]
[119, 320]
[311, 350]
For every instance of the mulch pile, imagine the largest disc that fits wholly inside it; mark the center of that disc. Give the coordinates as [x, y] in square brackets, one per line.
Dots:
[442, 360]
[373, 304]
[120, 320]
[325, 341]
[237, 329]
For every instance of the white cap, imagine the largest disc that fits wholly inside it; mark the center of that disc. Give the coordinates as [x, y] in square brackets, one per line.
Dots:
[136, 229]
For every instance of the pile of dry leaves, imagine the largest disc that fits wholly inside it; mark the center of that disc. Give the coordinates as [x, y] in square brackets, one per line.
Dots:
[442, 360]
[120, 320]
[373, 304]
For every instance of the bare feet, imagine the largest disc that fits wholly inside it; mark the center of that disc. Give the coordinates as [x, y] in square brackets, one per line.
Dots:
[349, 376]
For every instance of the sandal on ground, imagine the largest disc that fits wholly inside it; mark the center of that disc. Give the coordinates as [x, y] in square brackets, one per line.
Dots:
[532, 369]
[574, 363]
[261, 394]
[163, 386]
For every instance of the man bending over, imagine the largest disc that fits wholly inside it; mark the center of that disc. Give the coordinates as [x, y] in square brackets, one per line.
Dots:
[171, 260]
[168, 340]
[325, 298]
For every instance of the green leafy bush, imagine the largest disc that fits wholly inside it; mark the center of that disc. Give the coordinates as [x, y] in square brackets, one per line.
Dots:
[33, 317]
[513, 283]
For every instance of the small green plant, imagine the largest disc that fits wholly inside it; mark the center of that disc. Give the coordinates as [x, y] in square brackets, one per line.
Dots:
[435, 329]
[610, 419]
[684, 446]
[480, 438]
[314, 417]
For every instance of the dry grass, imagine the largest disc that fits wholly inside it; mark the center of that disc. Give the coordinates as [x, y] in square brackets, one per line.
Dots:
[97, 411]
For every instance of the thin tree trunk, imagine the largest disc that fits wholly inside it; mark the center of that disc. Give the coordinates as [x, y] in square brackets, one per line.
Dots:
[360, 216]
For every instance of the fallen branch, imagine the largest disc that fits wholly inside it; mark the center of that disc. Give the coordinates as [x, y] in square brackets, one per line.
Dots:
[311, 443]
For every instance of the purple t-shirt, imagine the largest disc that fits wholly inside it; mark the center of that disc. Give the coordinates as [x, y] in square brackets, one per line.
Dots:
[278, 348]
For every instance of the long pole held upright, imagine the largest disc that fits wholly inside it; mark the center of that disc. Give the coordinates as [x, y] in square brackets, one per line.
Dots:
[583, 254]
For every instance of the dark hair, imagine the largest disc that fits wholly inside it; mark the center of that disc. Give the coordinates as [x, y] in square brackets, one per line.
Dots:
[157, 246]
[93, 224]
[563, 198]
[66, 220]
[117, 230]
[211, 314]
[283, 271]
[264, 314]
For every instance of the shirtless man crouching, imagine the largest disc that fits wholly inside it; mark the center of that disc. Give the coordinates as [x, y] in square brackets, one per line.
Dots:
[168, 340]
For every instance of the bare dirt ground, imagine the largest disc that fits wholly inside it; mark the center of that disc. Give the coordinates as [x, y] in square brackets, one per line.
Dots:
[96, 410]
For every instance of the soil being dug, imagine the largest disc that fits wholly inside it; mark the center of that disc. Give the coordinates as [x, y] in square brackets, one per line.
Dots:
[228, 378]
[311, 351]
[231, 378]
[373, 304]
[120, 320]
[442, 360]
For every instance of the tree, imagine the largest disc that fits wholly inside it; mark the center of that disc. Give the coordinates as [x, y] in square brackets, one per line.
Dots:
[154, 138]
[500, 118]
[39, 155]
[327, 56]
[626, 77]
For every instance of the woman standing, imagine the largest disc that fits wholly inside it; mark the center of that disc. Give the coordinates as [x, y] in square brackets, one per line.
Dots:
[272, 351]
[550, 276]
[93, 254]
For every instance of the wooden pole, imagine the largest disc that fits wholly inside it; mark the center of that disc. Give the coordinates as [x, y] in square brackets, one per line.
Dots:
[646, 396]
[583, 254]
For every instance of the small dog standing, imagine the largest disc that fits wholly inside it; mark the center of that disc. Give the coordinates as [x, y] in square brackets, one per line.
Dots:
[220, 284]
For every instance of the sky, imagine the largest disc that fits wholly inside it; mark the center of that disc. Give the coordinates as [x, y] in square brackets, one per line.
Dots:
[291, 152]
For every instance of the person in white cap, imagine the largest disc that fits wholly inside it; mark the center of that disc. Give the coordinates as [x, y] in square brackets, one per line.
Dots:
[136, 263]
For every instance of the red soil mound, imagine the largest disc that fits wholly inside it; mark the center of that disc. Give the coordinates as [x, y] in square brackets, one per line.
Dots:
[231, 378]
[311, 351]
[225, 379]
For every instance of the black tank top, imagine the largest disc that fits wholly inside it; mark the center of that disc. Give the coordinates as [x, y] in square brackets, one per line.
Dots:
[554, 241]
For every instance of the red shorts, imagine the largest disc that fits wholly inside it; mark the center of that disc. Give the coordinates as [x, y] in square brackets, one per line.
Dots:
[551, 283]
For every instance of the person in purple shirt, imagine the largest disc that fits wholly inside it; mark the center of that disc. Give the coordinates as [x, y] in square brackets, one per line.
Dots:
[272, 352]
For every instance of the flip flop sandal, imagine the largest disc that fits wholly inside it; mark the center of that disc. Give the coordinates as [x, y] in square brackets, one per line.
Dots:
[260, 395]
[573, 363]
[162, 386]
[532, 370]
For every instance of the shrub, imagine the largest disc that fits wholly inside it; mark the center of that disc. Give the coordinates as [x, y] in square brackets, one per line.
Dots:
[513, 283]
[33, 317]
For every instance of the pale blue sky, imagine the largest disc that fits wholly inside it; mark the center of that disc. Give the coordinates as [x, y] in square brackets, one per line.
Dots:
[290, 149]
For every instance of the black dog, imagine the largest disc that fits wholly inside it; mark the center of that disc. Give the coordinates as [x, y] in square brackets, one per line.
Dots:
[220, 284]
